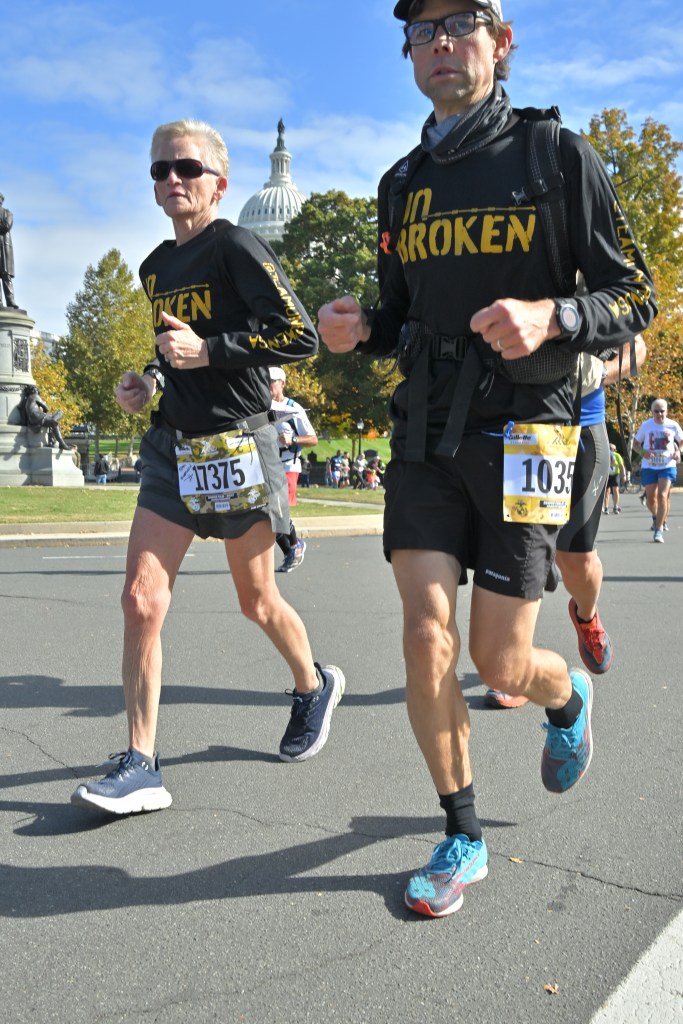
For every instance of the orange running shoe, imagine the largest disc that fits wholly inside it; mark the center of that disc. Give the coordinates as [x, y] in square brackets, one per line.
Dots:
[498, 699]
[595, 646]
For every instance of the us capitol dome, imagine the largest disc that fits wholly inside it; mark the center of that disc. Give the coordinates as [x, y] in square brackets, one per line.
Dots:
[268, 211]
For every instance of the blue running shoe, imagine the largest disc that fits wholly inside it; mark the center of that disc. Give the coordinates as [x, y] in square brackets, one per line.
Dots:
[293, 558]
[437, 889]
[568, 752]
[133, 785]
[309, 722]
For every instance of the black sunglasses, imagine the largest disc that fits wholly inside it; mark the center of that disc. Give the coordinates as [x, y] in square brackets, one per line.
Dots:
[454, 25]
[186, 167]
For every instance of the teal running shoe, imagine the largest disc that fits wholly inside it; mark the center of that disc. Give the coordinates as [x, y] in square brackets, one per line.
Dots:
[437, 889]
[568, 752]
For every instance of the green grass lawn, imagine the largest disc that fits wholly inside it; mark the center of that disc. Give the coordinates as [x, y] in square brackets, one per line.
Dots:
[115, 503]
[322, 449]
[377, 444]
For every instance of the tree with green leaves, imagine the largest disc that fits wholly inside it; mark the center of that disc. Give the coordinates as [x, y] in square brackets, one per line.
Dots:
[330, 249]
[109, 333]
[52, 380]
[644, 174]
[643, 171]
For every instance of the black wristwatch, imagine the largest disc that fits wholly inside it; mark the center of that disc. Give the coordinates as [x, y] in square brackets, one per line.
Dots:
[153, 371]
[568, 318]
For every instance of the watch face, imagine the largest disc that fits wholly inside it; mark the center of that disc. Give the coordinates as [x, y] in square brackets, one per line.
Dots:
[568, 317]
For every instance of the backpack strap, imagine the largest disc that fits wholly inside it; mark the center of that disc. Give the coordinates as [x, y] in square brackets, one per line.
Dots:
[292, 422]
[546, 187]
[397, 193]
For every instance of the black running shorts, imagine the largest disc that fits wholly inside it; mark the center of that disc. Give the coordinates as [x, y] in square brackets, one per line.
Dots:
[455, 505]
[588, 488]
[159, 488]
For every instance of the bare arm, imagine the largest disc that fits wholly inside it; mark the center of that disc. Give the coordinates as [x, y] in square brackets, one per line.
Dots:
[612, 365]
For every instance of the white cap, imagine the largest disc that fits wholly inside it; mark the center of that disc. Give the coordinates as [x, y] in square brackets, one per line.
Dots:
[277, 373]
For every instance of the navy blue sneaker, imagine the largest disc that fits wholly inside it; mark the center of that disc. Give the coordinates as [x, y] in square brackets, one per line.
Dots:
[437, 889]
[133, 785]
[568, 752]
[309, 722]
[293, 558]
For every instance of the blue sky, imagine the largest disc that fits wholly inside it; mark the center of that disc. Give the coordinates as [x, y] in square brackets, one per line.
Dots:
[84, 84]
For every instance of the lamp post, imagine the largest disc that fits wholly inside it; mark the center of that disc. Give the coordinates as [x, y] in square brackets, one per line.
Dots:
[360, 426]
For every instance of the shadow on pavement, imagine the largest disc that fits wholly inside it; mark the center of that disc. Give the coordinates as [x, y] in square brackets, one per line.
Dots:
[31, 892]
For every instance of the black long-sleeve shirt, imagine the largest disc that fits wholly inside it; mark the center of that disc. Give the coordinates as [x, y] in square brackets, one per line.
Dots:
[228, 285]
[464, 243]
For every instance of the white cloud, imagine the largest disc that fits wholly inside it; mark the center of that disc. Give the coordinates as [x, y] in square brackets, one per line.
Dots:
[84, 85]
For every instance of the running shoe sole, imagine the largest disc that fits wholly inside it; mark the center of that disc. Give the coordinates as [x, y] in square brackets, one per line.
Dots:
[154, 799]
[423, 908]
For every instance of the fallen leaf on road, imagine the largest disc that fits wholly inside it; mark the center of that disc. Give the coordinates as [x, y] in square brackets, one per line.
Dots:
[552, 989]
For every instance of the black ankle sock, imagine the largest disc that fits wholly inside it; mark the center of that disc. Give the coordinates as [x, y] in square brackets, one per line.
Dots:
[564, 718]
[461, 818]
[284, 543]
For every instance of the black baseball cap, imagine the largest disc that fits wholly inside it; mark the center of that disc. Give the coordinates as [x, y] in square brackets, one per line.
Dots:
[403, 6]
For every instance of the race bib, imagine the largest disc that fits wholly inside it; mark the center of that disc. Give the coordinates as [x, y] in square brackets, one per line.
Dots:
[221, 473]
[658, 458]
[538, 468]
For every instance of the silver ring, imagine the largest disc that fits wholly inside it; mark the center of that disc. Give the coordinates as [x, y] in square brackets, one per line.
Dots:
[499, 346]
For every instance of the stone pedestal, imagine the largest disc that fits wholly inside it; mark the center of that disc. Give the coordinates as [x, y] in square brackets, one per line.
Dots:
[24, 459]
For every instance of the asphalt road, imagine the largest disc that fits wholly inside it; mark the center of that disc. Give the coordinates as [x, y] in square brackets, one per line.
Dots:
[273, 892]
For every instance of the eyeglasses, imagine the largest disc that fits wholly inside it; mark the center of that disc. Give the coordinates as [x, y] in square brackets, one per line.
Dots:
[454, 25]
[184, 168]
[662, 411]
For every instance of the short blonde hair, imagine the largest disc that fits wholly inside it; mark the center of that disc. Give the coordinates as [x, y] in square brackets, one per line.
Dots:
[213, 147]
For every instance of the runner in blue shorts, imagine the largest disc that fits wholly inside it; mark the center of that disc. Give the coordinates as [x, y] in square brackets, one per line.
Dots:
[659, 439]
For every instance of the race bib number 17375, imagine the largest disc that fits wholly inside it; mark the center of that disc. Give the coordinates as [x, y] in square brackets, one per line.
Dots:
[221, 473]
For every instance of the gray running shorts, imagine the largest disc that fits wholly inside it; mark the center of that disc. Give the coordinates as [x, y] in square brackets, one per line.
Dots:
[159, 488]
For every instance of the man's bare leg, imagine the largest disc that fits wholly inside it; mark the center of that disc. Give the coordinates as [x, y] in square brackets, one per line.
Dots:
[428, 583]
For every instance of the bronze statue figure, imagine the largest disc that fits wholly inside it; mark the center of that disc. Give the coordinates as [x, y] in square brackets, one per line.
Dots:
[6, 255]
[39, 418]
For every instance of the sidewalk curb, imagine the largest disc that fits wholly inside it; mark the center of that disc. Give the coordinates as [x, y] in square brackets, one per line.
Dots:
[17, 535]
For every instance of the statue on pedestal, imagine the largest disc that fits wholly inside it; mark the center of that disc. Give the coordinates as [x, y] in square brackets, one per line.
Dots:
[39, 418]
[6, 256]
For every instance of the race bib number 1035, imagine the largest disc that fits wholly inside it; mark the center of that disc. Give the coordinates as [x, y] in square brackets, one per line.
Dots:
[538, 469]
